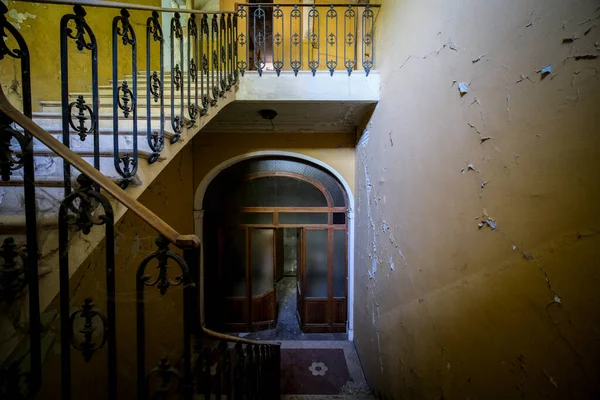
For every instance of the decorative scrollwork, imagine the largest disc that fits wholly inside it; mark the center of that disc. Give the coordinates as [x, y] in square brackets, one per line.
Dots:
[125, 99]
[4, 27]
[177, 125]
[295, 13]
[204, 63]
[81, 29]
[242, 65]
[156, 88]
[331, 39]
[176, 28]
[215, 59]
[9, 159]
[84, 113]
[331, 13]
[242, 39]
[368, 39]
[277, 12]
[13, 271]
[193, 70]
[177, 77]
[260, 39]
[87, 345]
[349, 39]
[192, 27]
[128, 166]
[193, 111]
[349, 13]
[242, 12]
[162, 255]
[156, 142]
[165, 373]
[126, 30]
[81, 207]
[13, 382]
[154, 27]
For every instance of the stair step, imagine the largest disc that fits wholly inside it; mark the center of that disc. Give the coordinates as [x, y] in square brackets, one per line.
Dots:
[53, 120]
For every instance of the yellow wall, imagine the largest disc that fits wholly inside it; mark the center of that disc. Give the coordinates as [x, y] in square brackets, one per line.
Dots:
[336, 150]
[41, 31]
[170, 196]
[469, 312]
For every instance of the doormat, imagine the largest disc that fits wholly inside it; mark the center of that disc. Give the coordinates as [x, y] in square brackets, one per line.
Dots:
[313, 371]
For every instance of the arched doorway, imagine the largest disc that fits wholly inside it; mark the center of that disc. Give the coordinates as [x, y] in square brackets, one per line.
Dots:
[265, 218]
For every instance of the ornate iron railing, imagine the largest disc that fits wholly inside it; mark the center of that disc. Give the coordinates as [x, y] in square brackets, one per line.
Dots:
[209, 363]
[319, 37]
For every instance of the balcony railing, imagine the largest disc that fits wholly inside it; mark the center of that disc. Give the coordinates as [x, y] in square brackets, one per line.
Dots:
[293, 37]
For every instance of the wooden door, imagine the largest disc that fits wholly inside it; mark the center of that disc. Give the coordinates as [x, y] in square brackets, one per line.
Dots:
[299, 280]
[262, 278]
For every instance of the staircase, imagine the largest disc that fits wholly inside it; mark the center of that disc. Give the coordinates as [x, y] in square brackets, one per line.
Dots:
[53, 218]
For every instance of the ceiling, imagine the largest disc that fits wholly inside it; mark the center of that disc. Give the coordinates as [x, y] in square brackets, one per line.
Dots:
[292, 116]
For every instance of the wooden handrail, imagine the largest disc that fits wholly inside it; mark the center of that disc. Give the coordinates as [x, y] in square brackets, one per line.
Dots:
[181, 241]
[229, 338]
[129, 6]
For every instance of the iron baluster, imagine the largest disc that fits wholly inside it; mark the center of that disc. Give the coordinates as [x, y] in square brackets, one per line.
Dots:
[192, 33]
[176, 77]
[314, 29]
[278, 46]
[350, 39]
[84, 39]
[296, 39]
[207, 380]
[242, 40]
[87, 347]
[260, 39]
[163, 282]
[214, 45]
[331, 18]
[165, 373]
[13, 271]
[234, 61]
[368, 39]
[222, 56]
[8, 162]
[205, 54]
[83, 209]
[229, 52]
[124, 97]
[155, 87]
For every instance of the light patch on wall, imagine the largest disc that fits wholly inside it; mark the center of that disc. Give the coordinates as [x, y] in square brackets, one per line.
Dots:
[18, 18]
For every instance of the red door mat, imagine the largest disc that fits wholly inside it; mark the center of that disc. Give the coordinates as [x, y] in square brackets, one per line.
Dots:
[313, 371]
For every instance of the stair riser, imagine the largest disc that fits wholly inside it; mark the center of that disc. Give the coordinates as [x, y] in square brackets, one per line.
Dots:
[52, 167]
[56, 123]
[47, 200]
[108, 91]
[107, 109]
[106, 142]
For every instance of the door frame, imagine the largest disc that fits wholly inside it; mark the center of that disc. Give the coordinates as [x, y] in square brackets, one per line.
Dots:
[217, 169]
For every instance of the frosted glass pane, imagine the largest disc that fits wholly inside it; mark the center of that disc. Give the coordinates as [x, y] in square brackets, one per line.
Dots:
[303, 218]
[261, 241]
[339, 263]
[316, 263]
[234, 263]
[277, 191]
[290, 251]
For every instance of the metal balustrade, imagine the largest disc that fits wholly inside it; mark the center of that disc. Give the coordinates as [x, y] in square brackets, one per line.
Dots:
[203, 68]
[318, 36]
